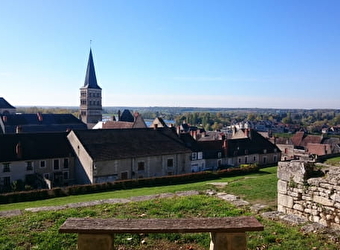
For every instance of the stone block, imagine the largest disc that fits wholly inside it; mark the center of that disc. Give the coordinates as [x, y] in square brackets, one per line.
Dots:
[323, 201]
[298, 207]
[296, 171]
[337, 205]
[281, 209]
[314, 182]
[282, 186]
[285, 200]
[335, 197]
[316, 219]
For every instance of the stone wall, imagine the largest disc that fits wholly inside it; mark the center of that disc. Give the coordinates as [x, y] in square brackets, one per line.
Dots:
[310, 191]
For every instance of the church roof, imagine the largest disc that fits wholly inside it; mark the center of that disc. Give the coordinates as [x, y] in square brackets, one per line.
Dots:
[4, 104]
[90, 78]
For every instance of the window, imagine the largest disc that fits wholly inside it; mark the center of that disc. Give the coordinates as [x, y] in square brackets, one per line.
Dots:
[66, 176]
[29, 166]
[275, 158]
[193, 156]
[141, 166]
[239, 160]
[265, 151]
[56, 164]
[65, 163]
[219, 154]
[6, 167]
[199, 155]
[124, 175]
[42, 164]
[7, 181]
[254, 158]
[264, 159]
[246, 160]
[170, 162]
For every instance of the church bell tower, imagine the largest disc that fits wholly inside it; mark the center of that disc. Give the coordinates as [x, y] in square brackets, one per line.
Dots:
[90, 97]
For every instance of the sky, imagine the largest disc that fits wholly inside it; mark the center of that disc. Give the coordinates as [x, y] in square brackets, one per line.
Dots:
[172, 53]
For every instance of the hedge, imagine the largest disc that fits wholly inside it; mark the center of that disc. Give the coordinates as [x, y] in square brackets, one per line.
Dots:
[42, 194]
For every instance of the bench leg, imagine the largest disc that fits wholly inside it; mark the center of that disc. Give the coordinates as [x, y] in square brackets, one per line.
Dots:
[95, 241]
[228, 241]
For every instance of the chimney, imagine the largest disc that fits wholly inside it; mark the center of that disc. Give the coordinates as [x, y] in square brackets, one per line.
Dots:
[225, 147]
[18, 129]
[4, 118]
[18, 150]
[40, 118]
[225, 143]
[118, 115]
[155, 126]
[195, 135]
[246, 132]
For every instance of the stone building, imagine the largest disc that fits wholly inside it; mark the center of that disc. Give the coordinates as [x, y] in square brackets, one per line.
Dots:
[104, 155]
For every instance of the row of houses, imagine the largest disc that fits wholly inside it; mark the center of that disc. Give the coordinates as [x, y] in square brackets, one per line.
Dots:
[103, 155]
[306, 146]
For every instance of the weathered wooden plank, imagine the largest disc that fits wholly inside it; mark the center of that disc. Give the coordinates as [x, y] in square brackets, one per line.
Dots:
[187, 225]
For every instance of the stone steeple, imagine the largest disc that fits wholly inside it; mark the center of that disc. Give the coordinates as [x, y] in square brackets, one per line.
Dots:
[90, 96]
[90, 78]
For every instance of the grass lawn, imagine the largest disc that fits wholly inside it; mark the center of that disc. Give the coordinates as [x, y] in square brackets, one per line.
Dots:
[40, 230]
[333, 161]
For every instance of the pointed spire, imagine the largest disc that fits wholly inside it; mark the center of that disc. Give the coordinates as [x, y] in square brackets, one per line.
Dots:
[90, 78]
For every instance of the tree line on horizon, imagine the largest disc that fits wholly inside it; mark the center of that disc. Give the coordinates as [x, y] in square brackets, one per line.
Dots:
[214, 118]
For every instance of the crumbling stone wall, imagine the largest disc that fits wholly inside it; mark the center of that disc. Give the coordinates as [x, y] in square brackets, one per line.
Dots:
[309, 191]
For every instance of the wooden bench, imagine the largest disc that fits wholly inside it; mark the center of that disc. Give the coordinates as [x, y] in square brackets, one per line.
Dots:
[227, 233]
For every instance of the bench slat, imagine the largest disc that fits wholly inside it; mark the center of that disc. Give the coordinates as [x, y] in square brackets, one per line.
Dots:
[187, 225]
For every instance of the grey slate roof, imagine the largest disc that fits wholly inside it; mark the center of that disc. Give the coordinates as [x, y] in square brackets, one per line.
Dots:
[49, 123]
[126, 116]
[34, 146]
[253, 144]
[90, 77]
[4, 104]
[110, 144]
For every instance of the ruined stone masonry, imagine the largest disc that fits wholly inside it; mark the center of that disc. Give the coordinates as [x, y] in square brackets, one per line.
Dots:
[309, 191]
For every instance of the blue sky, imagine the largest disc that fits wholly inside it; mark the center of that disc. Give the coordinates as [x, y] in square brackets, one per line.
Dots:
[242, 53]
